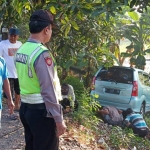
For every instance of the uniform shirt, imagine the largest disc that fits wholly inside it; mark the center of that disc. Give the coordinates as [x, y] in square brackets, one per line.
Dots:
[136, 120]
[58, 87]
[7, 51]
[3, 76]
[46, 75]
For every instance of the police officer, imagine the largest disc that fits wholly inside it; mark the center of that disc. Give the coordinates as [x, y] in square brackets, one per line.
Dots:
[40, 111]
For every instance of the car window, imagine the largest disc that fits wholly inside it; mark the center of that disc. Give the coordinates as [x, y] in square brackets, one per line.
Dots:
[118, 75]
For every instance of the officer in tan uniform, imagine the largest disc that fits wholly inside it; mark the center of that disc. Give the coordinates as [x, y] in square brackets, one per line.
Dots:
[40, 111]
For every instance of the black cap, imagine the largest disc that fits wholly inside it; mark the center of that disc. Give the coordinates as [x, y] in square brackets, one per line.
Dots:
[13, 31]
[42, 16]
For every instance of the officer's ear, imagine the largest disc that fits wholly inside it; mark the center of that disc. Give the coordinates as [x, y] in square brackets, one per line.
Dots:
[48, 30]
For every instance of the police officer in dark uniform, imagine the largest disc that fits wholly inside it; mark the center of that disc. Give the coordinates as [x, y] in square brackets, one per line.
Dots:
[40, 111]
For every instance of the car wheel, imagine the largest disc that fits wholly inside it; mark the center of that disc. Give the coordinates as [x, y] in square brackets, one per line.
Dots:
[142, 109]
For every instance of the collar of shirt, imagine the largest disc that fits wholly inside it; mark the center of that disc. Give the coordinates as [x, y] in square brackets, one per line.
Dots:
[33, 40]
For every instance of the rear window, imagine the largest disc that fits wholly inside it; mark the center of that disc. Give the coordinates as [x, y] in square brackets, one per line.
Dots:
[118, 75]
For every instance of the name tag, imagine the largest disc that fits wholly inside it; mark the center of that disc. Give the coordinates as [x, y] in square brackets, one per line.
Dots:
[22, 58]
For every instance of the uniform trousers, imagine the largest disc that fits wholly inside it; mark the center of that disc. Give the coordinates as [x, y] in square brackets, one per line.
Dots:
[40, 131]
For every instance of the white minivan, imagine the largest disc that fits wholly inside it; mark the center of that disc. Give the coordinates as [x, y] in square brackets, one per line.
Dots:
[122, 87]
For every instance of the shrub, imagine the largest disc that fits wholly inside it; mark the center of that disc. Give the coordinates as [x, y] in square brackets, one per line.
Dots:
[86, 114]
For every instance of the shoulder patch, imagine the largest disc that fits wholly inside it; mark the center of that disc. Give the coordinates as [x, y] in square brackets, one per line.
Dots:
[48, 61]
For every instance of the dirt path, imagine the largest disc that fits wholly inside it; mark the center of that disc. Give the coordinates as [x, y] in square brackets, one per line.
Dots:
[12, 135]
[11, 132]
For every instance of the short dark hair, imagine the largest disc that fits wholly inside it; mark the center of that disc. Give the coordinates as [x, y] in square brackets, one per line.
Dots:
[36, 26]
[64, 84]
[39, 20]
[129, 111]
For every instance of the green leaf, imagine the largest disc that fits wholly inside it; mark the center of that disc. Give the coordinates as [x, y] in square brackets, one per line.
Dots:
[107, 17]
[147, 51]
[137, 47]
[123, 54]
[63, 21]
[132, 60]
[98, 11]
[82, 64]
[112, 14]
[73, 7]
[74, 24]
[86, 11]
[27, 6]
[129, 46]
[135, 53]
[126, 2]
[133, 2]
[67, 30]
[88, 6]
[79, 16]
[134, 15]
[52, 10]
[66, 18]
[107, 1]
[140, 60]
[19, 8]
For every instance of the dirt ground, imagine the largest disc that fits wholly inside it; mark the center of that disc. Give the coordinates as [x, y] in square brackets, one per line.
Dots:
[11, 132]
[12, 135]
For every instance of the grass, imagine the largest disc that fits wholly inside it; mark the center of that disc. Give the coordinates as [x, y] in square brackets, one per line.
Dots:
[146, 117]
[115, 138]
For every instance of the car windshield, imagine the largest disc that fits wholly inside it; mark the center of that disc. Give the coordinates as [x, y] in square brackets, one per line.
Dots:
[117, 75]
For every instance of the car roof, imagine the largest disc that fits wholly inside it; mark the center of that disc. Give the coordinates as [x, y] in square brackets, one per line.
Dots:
[127, 68]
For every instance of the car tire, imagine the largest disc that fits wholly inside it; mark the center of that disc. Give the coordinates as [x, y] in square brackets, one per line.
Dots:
[142, 109]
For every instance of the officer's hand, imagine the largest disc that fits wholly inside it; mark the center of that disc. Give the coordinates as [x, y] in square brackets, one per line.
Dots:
[61, 128]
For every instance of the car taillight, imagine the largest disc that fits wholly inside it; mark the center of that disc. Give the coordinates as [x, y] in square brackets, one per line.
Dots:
[93, 83]
[135, 89]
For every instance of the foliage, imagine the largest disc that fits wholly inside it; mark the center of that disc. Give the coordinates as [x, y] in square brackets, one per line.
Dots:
[77, 85]
[137, 31]
[86, 114]
[79, 49]
[23, 30]
[126, 139]
[15, 10]
[12, 12]
[72, 42]
[146, 117]
[115, 137]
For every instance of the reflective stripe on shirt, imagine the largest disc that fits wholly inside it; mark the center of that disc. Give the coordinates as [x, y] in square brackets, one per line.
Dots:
[32, 98]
